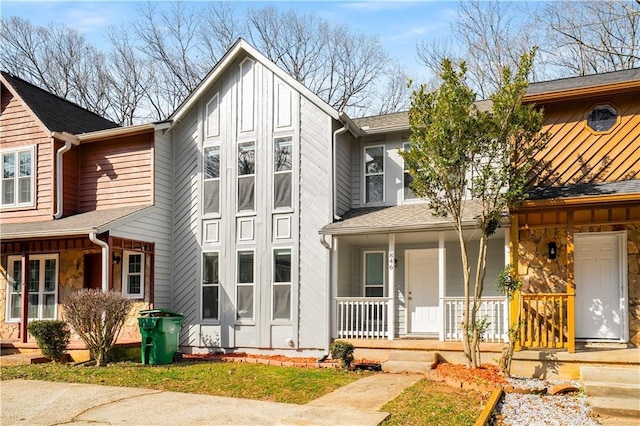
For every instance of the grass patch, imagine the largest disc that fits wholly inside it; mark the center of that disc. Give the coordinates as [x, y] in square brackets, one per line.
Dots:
[239, 380]
[432, 403]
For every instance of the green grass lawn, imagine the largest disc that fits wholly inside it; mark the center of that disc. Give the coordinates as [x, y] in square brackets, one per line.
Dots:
[431, 403]
[240, 380]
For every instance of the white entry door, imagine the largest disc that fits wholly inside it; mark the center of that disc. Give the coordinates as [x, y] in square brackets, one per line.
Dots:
[598, 283]
[421, 272]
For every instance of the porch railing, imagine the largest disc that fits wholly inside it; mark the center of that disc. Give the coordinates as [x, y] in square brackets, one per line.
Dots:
[544, 320]
[493, 311]
[362, 317]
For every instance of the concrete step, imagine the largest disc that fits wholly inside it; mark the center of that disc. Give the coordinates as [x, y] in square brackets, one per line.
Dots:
[398, 367]
[413, 356]
[610, 374]
[23, 359]
[618, 390]
[622, 407]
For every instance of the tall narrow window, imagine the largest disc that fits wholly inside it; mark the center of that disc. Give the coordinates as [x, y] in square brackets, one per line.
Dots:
[133, 274]
[282, 284]
[246, 176]
[15, 288]
[374, 274]
[244, 286]
[407, 192]
[17, 178]
[42, 282]
[282, 166]
[210, 287]
[211, 179]
[374, 174]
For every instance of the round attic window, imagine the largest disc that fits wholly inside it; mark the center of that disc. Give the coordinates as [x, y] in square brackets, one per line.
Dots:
[602, 118]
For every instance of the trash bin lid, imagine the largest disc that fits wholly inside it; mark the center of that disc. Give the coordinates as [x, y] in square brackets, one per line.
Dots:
[160, 313]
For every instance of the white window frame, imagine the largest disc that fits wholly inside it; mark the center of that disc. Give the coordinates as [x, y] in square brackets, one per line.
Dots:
[405, 147]
[126, 274]
[366, 175]
[282, 172]
[251, 284]
[246, 176]
[205, 180]
[364, 273]
[42, 258]
[275, 284]
[16, 178]
[208, 285]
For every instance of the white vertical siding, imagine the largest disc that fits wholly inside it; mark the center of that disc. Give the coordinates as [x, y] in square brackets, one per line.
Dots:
[343, 173]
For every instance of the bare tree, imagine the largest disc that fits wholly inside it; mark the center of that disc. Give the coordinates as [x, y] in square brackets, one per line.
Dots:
[395, 94]
[593, 36]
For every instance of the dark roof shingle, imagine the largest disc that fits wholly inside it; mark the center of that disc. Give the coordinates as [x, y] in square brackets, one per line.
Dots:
[57, 114]
[585, 190]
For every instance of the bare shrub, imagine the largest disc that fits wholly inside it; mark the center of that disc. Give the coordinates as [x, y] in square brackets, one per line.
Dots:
[97, 317]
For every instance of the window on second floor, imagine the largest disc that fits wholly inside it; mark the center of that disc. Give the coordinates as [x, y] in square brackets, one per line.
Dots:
[374, 174]
[407, 192]
[211, 179]
[282, 169]
[602, 118]
[17, 177]
[246, 176]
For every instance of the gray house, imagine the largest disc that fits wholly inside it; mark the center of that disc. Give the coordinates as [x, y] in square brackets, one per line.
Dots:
[294, 225]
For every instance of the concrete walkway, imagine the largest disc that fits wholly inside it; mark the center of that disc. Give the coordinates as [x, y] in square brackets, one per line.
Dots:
[30, 402]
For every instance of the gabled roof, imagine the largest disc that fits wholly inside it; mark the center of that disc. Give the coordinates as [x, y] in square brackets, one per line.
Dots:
[584, 81]
[97, 221]
[55, 113]
[241, 47]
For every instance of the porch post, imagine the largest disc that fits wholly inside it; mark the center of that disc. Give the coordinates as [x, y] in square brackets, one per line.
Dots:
[507, 261]
[514, 303]
[24, 302]
[571, 287]
[391, 317]
[333, 288]
[442, 279]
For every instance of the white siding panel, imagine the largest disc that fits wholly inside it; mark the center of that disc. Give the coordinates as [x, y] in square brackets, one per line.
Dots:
[247, 95]
[343, 173]
[283, 106]
[315, 134]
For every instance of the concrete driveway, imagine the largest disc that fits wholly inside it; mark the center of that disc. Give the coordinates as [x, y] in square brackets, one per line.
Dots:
[29, 402]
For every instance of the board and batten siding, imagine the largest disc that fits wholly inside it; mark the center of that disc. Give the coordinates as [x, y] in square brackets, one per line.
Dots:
[248, 103]
[154, 225]
[116, 173]
[19, 128]
[576, 154]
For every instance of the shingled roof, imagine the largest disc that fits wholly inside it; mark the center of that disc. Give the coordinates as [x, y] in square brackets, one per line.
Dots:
[585, 190]
[584, 81]
[57, 114]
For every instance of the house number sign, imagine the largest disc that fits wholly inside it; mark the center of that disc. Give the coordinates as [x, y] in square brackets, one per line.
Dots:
[391, 261]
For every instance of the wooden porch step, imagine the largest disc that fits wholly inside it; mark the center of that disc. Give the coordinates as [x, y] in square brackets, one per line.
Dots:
[23, 359]
[410, 362]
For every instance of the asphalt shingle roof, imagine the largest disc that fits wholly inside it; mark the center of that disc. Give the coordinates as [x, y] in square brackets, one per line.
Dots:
[77, 224]
[586, 190]
[57, 114]
[408, 217]
[584, 81]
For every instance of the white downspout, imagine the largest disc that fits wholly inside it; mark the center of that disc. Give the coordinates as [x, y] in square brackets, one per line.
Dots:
[105, 259]
[334, 184]
[70, 140]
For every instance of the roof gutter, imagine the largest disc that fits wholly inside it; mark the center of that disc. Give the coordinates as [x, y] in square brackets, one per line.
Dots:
[69, 141]
[105, 259]
[334, 184]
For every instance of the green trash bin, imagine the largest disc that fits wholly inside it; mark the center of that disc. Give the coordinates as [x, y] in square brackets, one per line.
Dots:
[160, 331]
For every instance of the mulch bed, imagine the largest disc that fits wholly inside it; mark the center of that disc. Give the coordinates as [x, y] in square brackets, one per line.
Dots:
[277, 360]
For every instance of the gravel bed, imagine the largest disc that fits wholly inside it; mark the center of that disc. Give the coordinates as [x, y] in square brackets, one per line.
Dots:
[541, 409]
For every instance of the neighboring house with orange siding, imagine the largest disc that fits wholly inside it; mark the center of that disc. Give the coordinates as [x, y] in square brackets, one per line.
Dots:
[76, 192]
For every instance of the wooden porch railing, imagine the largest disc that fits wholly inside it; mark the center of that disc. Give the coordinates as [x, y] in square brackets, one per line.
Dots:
[545, 320]
[362, 317]
[494, 310]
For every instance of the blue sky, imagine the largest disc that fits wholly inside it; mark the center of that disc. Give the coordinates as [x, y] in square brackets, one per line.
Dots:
[400, 25]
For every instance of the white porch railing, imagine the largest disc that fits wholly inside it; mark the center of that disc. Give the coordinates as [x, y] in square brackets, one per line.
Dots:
[362, 317]
[492, 309]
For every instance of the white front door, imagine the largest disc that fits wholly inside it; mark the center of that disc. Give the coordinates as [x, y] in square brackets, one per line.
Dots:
[421, 269]
[598, 279]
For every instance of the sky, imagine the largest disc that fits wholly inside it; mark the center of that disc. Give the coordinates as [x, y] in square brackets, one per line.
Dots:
[400, 25]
